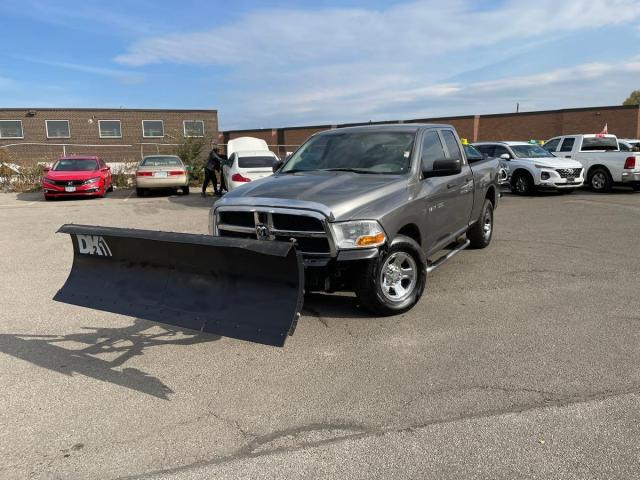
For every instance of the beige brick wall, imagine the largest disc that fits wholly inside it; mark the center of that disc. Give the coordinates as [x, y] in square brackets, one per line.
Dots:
[83, 125]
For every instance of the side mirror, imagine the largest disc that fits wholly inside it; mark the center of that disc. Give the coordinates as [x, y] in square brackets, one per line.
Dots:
[505, 156]
[443, 168]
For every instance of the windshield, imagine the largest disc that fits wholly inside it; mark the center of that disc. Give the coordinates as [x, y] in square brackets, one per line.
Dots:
[256, 162]
[472, 152]
[599, 143]
[530, 151]
[75, 165]
[361, 152]
[161, 162]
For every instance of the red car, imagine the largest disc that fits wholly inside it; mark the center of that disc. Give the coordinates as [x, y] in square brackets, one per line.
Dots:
[77, 176]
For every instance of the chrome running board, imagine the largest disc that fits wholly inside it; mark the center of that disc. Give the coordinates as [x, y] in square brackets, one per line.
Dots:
[431, 266]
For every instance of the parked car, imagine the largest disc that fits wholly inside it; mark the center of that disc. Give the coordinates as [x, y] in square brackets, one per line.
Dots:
[371, 209]
[600, 155]
[85, 176]
[629, 145]
[247, 159]
[161, 172]
[530, 167]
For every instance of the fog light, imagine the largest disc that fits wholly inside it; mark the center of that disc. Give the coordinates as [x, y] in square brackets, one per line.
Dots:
[545, 176]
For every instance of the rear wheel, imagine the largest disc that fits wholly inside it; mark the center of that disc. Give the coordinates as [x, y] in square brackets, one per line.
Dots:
[636, 186]
[481, 232]
[110, 189]
[185, 190]
[140, 192]
[522, 183]
[394, 282]
[600, 180]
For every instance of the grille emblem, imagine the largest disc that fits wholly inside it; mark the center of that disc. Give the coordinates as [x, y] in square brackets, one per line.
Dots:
[262, 231]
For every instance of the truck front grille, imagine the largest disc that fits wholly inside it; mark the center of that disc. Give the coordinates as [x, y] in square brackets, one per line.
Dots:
[308, 230]
[569, 172]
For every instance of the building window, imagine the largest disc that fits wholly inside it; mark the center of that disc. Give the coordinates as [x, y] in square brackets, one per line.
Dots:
[110, 129]
[152, 128]
[193, 128]
[11, 129]
[57, 128]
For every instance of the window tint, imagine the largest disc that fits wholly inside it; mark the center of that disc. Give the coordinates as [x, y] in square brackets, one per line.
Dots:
[161, 161]
[256, 162]
[368, 152]
[486, 149]
[473, 154]
[11, 129]
[110, 129]
[431, 150]
[75, 165]
[500, 150]
[152, 128]
[567, 144]
[57, 128]
[599, 143]
[452, 144]
[193, 128]
[551, 145]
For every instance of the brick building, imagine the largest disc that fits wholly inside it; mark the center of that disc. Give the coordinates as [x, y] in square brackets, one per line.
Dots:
[44, 134]
[623, 121]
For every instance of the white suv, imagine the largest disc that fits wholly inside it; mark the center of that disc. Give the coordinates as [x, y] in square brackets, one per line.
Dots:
[531, 167]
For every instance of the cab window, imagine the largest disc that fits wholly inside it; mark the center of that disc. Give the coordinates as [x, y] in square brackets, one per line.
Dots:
[551, 145]
[486, 149]
[567, 144]
[500, 150]
[452, 145]
[431, 150]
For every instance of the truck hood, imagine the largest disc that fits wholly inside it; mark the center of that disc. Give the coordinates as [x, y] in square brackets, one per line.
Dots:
[553, 162]
[340, 193]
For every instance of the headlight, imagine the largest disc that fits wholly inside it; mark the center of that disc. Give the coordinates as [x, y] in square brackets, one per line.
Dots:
[542, 166]
[92, 180]
[358, 234]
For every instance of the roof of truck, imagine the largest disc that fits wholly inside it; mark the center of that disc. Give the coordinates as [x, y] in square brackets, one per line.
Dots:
[404, 127]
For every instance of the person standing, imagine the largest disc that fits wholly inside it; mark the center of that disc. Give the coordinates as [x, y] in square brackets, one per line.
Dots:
[213, 165]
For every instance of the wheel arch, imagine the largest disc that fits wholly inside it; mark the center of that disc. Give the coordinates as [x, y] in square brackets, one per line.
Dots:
[412, 231]
[592, 168]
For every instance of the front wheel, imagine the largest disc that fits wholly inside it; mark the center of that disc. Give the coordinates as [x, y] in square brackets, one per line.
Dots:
[522, 184]
[480, 233]
[393, 283]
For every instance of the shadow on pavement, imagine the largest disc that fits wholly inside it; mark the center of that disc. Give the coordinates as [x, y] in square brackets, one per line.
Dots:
[119, 344]
[334, 306]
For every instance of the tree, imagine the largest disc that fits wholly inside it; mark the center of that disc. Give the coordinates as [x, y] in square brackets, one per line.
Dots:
[192, 151]
[634, 98]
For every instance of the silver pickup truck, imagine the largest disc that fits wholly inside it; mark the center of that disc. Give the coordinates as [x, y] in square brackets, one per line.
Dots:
[369, 208]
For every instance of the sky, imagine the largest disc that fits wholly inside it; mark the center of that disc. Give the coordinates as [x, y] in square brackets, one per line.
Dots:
[283, 63]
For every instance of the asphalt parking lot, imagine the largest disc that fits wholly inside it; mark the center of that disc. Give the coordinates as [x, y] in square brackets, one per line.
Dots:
[522, 361]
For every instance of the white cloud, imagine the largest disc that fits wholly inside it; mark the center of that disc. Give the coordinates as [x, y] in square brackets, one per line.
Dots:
[123, 76]
[427, 27]
[341, 64]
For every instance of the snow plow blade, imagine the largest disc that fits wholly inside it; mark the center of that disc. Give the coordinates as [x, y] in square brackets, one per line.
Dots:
[235, 287]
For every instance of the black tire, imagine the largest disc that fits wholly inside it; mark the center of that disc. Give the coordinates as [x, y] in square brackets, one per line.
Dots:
[600, 180]
[522, 183]
[140, 192]
[636, 186]
[481, 232]
[369, 283]
[185, 190]
[110, 189]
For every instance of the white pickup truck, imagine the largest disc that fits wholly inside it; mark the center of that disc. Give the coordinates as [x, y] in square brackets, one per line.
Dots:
[600, 155]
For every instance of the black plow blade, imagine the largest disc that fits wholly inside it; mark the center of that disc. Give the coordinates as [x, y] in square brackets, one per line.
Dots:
[240, 288]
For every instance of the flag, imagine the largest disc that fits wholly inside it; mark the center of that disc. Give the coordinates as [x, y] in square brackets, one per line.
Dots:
[605, 131]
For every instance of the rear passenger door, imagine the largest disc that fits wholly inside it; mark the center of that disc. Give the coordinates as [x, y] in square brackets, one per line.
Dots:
[460, 186]
[566, 147]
